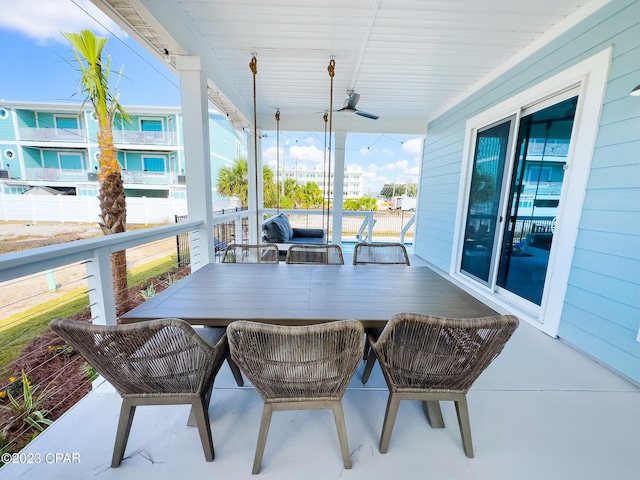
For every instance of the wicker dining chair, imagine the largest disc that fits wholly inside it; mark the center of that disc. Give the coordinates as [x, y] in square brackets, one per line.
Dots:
[157, 362]
[433, 358]
[315, 254]
[380, 254]
[298, 368]
[244, 253]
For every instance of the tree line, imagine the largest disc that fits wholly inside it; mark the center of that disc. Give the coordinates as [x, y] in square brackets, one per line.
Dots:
[233, 181]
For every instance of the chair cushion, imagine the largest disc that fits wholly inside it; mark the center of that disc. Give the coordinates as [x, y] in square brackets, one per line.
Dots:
[308, 233]
[277, 229]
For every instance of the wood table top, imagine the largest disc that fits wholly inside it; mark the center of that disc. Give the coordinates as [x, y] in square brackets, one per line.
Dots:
[218, 294]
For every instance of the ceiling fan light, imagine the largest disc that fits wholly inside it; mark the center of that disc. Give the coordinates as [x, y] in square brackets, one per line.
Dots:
[635, 92]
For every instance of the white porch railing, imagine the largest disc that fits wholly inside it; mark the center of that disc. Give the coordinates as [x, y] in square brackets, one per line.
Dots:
[95, 252]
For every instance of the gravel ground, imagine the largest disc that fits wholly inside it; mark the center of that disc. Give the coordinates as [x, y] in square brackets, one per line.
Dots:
[18, 231]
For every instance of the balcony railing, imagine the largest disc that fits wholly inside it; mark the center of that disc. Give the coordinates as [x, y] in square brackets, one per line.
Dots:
[63, 135]
[138, 137]
[55, 175]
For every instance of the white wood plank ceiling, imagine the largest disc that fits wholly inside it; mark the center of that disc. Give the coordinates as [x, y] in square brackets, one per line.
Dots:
[408, 59]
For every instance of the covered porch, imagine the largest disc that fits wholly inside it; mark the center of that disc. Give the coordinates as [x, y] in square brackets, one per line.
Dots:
[541, 410]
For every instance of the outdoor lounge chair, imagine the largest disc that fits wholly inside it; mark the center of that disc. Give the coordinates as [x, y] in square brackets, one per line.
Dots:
[431, 359]
[298, 368]
[157, 362]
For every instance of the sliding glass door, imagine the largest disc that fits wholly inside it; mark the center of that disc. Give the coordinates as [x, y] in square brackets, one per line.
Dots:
[480, 236]
[514, 197]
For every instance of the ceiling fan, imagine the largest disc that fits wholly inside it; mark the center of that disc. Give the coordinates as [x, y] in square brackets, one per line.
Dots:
[350, 106]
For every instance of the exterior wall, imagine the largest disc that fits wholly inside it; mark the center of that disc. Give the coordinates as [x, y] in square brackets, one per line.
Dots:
[601, 312]
[225, 147]
[36, 152]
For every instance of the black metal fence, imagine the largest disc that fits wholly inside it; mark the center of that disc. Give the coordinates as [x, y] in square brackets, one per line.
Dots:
[223, 234]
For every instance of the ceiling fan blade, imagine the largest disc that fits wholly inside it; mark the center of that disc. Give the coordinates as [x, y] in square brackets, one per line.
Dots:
[366, 115]
[351, 102]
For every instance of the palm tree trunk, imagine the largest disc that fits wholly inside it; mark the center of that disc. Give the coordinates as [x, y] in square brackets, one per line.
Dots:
[113, 219]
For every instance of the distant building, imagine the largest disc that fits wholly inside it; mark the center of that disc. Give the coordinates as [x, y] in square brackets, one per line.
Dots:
[54, 146]
[353, 178]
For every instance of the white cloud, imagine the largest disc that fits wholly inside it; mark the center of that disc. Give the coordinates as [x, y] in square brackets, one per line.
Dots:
[413, 146]
[398, 166]
[364, 152]
[271, 154]
[310, 153]
[43, 20]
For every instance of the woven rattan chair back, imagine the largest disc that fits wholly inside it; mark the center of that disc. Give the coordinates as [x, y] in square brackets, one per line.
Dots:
[315, 254]
[243, 253]
[300, 367]
[433, 358]
[380, 254]
[154, 362]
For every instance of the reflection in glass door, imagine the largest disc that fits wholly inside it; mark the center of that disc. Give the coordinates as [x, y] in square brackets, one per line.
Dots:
[480, 236]
[538, 173]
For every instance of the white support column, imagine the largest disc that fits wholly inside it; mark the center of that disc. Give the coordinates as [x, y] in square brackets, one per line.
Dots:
[338, 187]
[100, 282]
[254, 237]
[195, 123]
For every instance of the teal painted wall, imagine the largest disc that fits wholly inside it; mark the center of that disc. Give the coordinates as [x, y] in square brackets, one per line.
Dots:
[223, 146]
[26, 118]
[601, 314]
[32, 158]
[7, 131]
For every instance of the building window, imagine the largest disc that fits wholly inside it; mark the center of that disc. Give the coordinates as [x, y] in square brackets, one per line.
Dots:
[66, 127]
[71, 161]
[150, 125]
[153, 164]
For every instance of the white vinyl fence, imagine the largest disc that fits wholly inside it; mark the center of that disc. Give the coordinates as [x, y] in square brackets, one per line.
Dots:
[74, 209]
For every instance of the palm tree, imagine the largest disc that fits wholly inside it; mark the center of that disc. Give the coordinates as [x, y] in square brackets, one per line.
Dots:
[233, 181]
[94, 82]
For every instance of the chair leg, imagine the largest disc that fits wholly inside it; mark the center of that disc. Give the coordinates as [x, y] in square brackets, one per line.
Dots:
[434, 414]
[462, 410]
[338, 415]
[371, 360]
[235, 370]
[389, 419]
[267, 411]
[201, 413]
[191, 421]
[127, 411]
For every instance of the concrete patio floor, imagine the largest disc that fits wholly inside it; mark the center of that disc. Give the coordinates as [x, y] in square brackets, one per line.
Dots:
[542, 410]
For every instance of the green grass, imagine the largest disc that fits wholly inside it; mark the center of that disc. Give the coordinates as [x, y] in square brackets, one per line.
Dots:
[33, 322]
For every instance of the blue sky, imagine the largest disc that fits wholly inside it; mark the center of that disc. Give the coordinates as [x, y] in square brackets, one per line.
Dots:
[36, 68]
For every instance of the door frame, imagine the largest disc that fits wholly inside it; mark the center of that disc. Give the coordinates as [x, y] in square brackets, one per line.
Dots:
[590, 76]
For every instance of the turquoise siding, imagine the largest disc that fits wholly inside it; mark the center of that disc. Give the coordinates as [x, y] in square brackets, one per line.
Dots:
[223, 141]
[601, 314]
[7, 131]
[26, 118]
[32, 158]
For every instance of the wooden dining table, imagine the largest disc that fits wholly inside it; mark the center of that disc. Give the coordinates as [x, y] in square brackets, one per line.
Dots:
[218, 294]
